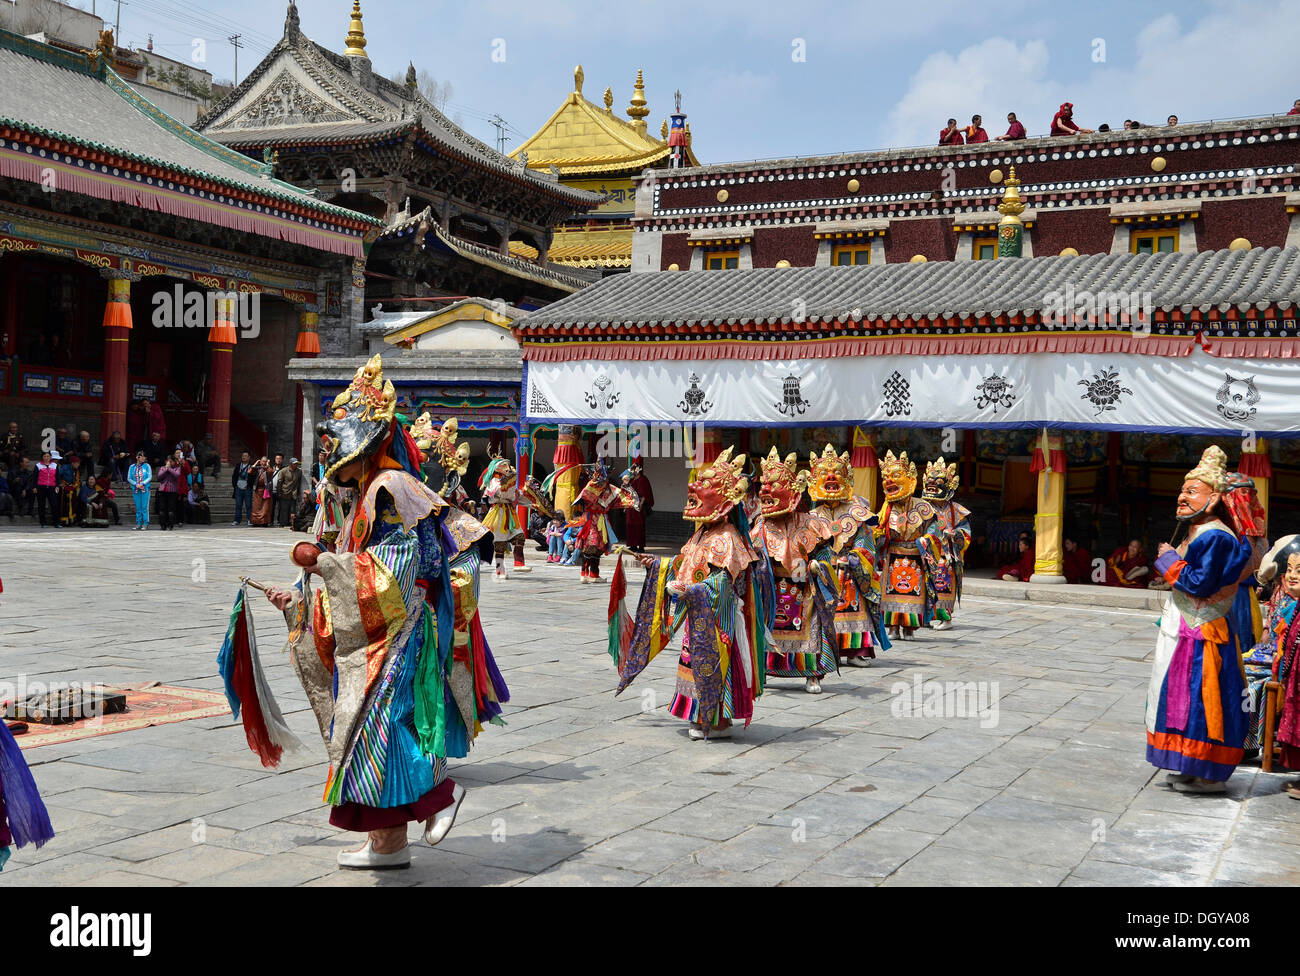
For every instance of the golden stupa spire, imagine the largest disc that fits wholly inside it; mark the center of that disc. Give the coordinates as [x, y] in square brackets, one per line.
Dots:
[1011, 206]
[638, 110]
[356, 39]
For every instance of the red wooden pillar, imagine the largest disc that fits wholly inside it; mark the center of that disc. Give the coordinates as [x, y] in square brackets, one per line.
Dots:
[1114, 462]
[222, 338]
[968, 450]
[9, 305]
[117, 344]
[307, 347]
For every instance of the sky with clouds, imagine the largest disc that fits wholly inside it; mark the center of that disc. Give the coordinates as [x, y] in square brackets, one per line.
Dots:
[764, 79]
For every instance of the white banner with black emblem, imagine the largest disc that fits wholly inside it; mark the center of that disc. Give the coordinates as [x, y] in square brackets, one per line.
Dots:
[1198, 394]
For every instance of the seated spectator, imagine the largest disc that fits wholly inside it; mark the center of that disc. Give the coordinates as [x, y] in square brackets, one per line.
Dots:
[84, 448]
[1023, 567]
[115, 456]
[6, 498]
[1295, 109]
[102, 501]
[22, 485]
[555, 541]
[207, 456]
[197, 509]
[1128, 566]
[1128, 124]
[975, 131]
[155, 451]
[63, 443]
[1078, 563]
[1014, 129]
[13, 448]
[951, 135]
[1063, 122]
[1104, 127]
[1172, 120]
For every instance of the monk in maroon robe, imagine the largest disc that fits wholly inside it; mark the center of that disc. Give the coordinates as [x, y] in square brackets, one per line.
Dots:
[1128, 566]
[638, 518]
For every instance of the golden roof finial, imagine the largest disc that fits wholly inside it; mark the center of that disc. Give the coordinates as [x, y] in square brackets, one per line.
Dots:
[356, 39]
[638, 110]
[1011, 206]
[577, 80]
[663, 131]
[609, 100]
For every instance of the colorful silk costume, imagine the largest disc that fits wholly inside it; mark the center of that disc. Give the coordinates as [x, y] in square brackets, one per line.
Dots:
[23, 817]
[501, 495]
[389, 647]
[852, 550]
[595, 534]
[911, 548]
[725, 606]
[938, 486]
[1196, 724]
[803, 635]
[1269, 660]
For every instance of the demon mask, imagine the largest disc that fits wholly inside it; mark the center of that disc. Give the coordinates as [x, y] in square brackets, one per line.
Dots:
[940, 481]
[831, 476]
[716, 490]
[898, 476]
[359, 421]
[780, 485]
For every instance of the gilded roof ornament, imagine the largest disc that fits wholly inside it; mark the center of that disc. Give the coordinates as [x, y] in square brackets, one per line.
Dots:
[638, 110]
[1011, 206]
[356, 39]
[609, 100]
[577, 79]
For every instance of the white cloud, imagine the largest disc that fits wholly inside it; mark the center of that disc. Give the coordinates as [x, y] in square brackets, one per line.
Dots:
[1237, 60]
[991, 78]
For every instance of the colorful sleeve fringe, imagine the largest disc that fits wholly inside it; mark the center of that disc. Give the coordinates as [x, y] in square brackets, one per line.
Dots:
[247, 689]
[23, 817]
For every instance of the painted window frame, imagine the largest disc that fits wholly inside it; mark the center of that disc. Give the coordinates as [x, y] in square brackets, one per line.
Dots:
[723, 256]
[1136, 236]
[854, 249]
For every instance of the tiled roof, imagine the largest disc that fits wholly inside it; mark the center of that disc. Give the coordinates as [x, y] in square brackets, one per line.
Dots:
[50, 92]
[385, 106]
[1204, 281]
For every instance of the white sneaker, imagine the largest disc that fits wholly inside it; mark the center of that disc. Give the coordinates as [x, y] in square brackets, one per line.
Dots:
[234, 524]
[523, 569]
[1172, 777]
[367, 860]
[441, 822]
[859, 662]
[813, 686]
[941, 624]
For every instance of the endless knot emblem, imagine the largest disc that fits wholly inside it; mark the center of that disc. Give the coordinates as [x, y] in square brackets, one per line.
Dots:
[692, 402]
[792, 401]
[994, 391]
[898, 395]
[1103, 390]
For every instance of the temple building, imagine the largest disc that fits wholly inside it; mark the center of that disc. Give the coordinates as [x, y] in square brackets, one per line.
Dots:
[141, 260]
[871, 302]
[1074, 389]
[450, 205]
[591, 148]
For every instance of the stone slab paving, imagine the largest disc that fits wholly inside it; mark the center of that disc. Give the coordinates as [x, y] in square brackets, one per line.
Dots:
[585, 789]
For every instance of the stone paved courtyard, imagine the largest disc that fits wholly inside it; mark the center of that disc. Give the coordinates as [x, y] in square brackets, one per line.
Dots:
[583, 788]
